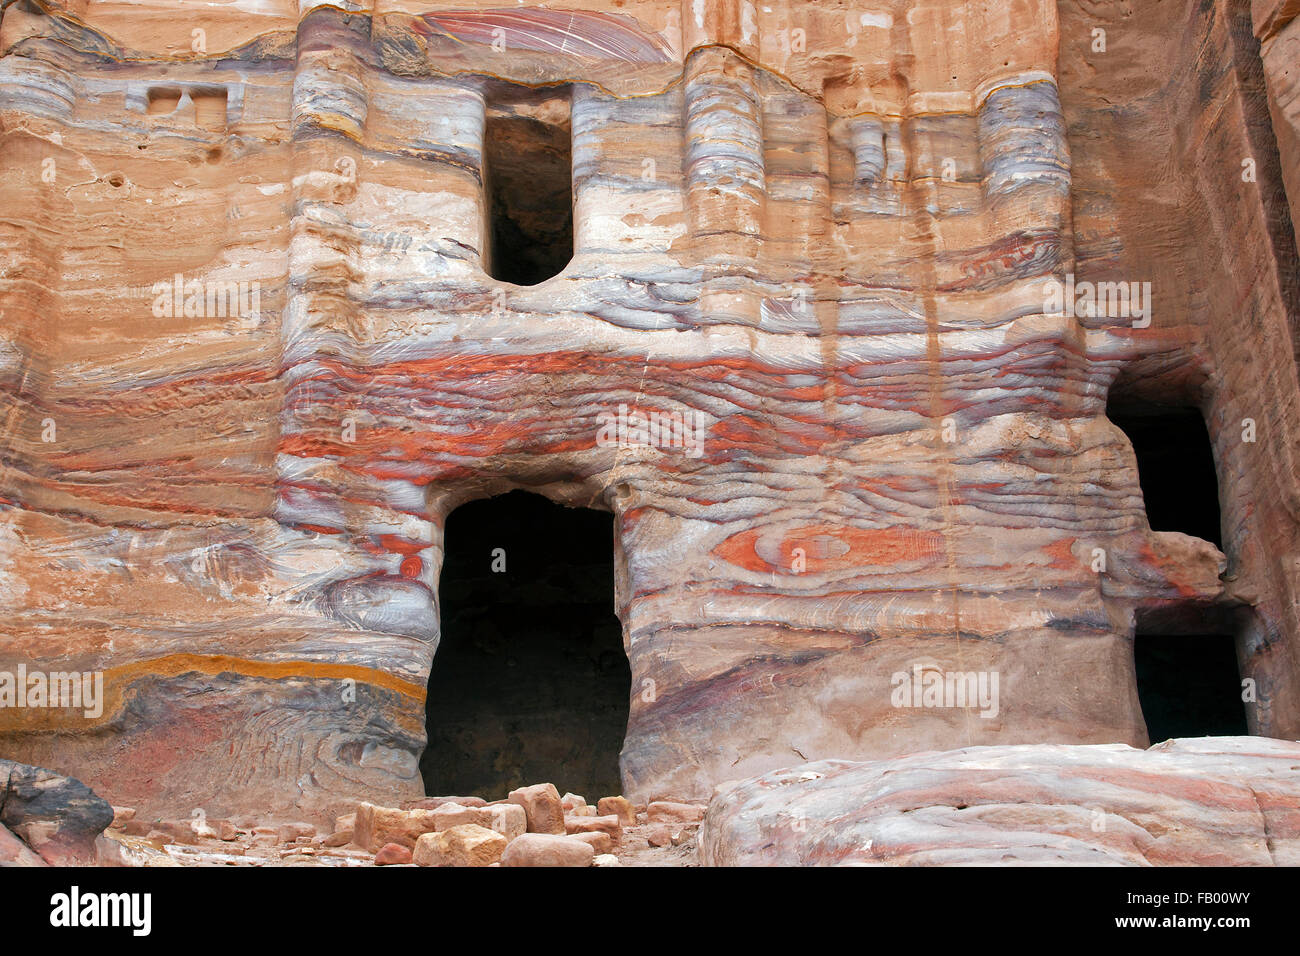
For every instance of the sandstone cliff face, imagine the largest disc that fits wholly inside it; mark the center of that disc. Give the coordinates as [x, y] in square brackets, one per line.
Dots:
[1277, 24]
[253, 354]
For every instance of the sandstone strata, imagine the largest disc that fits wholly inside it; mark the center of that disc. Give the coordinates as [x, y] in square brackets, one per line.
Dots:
[821, 230]
[1219, 802]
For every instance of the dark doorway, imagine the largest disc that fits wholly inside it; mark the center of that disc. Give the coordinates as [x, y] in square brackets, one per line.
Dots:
[1175, 468]
[530, 682]
[528, 175]
[1189, 685]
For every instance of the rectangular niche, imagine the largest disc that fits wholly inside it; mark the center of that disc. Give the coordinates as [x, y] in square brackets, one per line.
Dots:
[528, 182]
[209, 107]
[205, 106]
[1189, 684]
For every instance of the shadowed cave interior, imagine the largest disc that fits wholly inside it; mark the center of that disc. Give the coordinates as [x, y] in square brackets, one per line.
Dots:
[530, 682]
[1187, 674]
[1189, 685]
[529, 182]
[1180, 487]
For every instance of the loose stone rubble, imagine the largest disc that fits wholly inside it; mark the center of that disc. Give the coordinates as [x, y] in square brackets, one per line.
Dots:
[534, 826]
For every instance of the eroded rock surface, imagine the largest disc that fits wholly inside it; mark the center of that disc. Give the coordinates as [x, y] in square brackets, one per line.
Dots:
[254, 350]
[57, 817]
[1203, 802]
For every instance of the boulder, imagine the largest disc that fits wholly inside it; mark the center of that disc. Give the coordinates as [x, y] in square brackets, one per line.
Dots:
[391, 854]
[620, 807]
[121, 815]
[544, 849]
[376, 826]
[600, 842]
[508, 819]
[465, 845]
[14, 852]
[608, 825]
[542, 805]
[56, 816]
[663, 834]
[450, 815]
[433, 803]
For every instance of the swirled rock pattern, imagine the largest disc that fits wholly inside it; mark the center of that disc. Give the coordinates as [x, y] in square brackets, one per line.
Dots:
[251, 357]
[1225, 801]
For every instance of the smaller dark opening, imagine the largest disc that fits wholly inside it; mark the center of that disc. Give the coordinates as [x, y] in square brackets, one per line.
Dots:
[1175, 460]
[528, 175]
[1189, 685]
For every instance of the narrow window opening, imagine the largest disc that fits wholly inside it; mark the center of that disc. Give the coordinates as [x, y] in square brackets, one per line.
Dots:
[530, 682]
[1189, 685]
[1175, 460]
[528, 179]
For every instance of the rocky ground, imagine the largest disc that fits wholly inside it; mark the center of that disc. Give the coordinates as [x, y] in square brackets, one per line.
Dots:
[1205, 801]
[1208, 801]
[534, 826]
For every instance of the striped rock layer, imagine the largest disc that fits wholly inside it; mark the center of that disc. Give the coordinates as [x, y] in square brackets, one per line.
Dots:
[822, 228]
[1209, 801]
